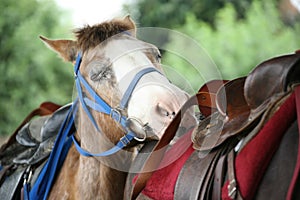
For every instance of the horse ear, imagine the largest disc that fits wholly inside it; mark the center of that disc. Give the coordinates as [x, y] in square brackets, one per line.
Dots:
[130, 24]
[67, 49]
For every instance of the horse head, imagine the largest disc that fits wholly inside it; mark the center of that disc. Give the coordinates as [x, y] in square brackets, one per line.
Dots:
[111, 59]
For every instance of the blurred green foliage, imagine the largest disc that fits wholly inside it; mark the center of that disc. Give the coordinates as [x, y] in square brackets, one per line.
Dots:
[236, 45]
[172, 13]
[235, 35]
[30, 73]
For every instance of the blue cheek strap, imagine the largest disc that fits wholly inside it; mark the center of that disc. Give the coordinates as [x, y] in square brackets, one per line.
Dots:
[101, 106]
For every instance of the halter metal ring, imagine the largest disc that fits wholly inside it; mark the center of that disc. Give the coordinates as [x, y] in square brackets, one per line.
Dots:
[136, 126]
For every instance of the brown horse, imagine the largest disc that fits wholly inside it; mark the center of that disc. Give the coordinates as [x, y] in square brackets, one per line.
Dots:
[107, 65]
[111, 56]
[111, 64]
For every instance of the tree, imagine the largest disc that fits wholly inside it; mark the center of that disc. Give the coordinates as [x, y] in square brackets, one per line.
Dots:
[236, 34]
[236, 45]
[172, 13]
[30, 74]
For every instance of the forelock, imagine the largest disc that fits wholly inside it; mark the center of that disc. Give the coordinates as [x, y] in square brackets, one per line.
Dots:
[90, 36]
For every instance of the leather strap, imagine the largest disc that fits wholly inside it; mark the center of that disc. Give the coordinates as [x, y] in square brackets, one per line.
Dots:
[137, 165]
[194, 172]
[4, 171]
[296, 176]
[232, 186]
[218, 178]
[154, 158]
[11, 185]
[203, 192]
[233, 192]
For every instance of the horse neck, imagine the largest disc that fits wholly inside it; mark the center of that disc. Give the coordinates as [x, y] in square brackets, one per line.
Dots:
[102, 176]
[87, 178]
[99, 180]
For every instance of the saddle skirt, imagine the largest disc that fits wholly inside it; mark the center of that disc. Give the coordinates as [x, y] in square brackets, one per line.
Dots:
[240, 103]
[237, 108]
[28, 151]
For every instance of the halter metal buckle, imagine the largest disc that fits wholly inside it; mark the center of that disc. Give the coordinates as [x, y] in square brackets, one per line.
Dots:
[115, 113]
[27, 175]
[125, 141]
[232, 189]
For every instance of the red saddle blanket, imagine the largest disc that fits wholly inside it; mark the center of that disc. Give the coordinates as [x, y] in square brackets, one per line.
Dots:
[161, 185]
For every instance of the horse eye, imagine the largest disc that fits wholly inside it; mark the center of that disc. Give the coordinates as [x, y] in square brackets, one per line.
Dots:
[100, 73]
[158, 56]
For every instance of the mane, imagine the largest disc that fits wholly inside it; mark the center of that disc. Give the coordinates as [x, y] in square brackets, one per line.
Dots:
[90, 36]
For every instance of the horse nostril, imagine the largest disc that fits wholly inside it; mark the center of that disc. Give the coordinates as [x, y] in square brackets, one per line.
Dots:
[164, 111]
[171, 115]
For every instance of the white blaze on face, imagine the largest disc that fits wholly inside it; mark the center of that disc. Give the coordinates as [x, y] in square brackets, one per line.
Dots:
[156, 104]
[154, 101]
[126, 67]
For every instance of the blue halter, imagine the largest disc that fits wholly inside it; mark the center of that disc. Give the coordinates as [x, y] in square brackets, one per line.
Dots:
[45, 180]
[101, 106]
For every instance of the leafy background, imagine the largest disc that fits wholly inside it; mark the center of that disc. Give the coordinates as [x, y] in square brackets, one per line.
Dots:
[237, 34]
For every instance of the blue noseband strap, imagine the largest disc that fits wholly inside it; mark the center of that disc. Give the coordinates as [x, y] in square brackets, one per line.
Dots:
[101, 106]
[135, 80]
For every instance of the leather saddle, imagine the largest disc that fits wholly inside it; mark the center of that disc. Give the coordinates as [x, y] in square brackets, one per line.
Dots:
[238, 105]
[233, 109]
[238, 110]
[28, 151]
